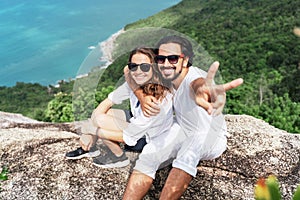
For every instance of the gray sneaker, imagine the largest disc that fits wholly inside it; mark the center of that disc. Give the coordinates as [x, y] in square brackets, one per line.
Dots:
[110, 160]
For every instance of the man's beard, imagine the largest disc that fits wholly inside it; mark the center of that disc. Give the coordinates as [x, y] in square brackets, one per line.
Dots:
[171, 78]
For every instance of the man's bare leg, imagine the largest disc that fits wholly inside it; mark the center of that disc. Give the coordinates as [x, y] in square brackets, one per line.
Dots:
[176, 184]
[137, 186]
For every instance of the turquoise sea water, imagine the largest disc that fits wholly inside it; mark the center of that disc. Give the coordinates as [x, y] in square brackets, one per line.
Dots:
[43, 41]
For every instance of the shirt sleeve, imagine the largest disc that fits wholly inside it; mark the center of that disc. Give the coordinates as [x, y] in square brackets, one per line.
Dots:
[196, 73]
[120, 94]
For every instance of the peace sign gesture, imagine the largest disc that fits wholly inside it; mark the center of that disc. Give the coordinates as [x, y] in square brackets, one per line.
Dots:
[210, 96]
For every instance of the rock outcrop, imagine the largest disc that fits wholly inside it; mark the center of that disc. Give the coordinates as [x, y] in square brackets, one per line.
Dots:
[34, 154]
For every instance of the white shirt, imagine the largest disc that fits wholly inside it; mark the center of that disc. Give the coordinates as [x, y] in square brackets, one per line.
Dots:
[139, 124]
[191, 117]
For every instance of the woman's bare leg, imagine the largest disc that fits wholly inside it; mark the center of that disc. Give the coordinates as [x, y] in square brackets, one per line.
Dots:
[114, 120]
[111, 124]
[111, 139]
[86, 141]
[110, 130]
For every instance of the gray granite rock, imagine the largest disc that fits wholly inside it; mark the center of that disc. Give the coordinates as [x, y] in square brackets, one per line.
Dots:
[34, 154]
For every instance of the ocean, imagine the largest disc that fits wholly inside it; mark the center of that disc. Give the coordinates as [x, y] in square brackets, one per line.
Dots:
[44, 41]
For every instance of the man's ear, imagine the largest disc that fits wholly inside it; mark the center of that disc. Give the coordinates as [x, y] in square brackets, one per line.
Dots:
[185, 61]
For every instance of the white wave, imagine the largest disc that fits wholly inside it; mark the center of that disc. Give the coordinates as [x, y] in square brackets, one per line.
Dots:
[91, 47]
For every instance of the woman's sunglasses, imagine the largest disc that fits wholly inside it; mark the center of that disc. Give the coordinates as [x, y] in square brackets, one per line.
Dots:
[173, 59]
[145, 67]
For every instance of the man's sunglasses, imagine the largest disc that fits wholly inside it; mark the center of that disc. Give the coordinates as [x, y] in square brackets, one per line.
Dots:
[173, 59]
[145, 67]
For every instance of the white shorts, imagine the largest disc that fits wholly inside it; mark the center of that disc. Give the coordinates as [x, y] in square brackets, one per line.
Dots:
[191, 152]
[183, 150]
[161, 149]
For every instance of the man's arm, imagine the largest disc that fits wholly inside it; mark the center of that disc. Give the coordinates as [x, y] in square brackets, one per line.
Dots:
[210, 96]
[149, 104]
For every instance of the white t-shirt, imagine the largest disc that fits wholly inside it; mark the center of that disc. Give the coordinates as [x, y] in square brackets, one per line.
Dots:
[139, 124]
[195, 135]
[191, 117]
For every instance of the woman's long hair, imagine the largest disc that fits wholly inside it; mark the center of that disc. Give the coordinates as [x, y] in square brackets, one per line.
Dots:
[156, 86]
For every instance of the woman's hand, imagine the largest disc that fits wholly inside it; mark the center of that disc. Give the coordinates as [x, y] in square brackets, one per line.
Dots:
[87, 141]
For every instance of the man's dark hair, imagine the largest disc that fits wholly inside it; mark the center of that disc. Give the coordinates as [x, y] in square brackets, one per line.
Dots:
[186, 46]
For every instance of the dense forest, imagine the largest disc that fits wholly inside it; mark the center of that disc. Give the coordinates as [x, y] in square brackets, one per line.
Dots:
[254, 40]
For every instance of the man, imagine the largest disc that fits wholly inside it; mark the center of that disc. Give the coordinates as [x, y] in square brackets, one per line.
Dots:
[199, 131]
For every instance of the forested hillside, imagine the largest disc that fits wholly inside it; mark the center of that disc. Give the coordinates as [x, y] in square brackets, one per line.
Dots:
[251, 39]
[30, 99]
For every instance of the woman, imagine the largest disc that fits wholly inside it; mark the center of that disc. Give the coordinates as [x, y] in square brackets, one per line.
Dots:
[112, 124]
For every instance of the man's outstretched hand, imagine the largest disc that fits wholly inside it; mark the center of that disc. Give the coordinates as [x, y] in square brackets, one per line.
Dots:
[210, 96]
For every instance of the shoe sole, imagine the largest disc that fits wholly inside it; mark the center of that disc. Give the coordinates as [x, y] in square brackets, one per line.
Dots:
[114, 165]
[86, 155]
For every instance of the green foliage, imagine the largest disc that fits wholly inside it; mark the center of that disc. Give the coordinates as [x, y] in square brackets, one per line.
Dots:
[273, 187]
[103, 93]
[113, 74]
[253, 40]
[296, 195]
[60, 109]
[68, 107]
[26, 98]
[30, 99]
[87, 92]
[268, 189]
[3, 175]
[282, 113]
[85, 102]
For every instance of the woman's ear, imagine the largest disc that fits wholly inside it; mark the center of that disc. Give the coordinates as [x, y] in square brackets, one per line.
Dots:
[126, 69]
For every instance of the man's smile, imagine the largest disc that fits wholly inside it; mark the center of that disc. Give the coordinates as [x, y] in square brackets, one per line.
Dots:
[167, 70]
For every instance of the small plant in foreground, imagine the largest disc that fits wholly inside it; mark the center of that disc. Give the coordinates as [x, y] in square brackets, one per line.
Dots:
[3, 175]
[268, 189]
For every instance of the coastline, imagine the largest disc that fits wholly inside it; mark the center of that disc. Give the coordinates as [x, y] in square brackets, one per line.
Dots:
[105, 48]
